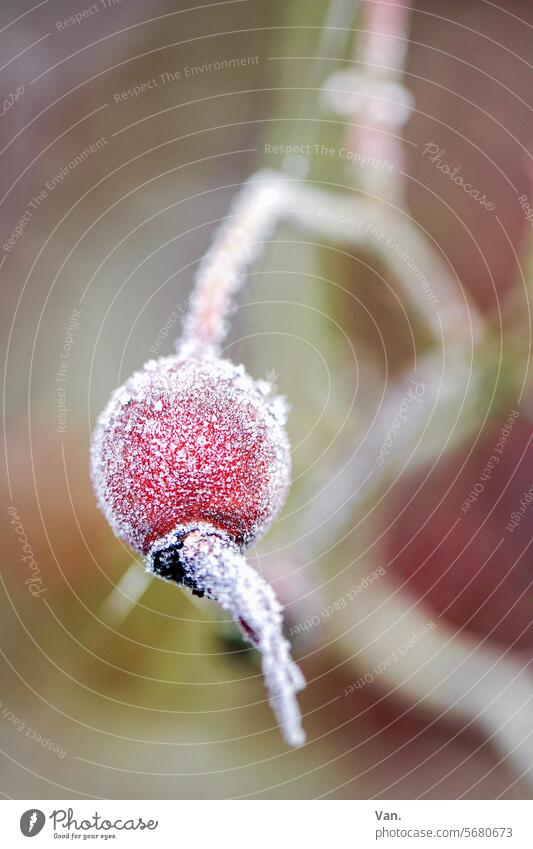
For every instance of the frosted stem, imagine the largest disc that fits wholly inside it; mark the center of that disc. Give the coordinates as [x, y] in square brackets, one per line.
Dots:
[221, 272]
[211, 564]
[370, 94]
[384, 40]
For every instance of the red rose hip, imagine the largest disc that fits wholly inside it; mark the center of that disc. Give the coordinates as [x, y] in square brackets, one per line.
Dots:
[187, 441]
[190, 463]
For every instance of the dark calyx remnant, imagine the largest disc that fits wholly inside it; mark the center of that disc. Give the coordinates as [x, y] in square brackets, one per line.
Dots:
[167, 564]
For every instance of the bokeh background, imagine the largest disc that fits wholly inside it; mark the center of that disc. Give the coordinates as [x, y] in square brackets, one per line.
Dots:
[409, 611]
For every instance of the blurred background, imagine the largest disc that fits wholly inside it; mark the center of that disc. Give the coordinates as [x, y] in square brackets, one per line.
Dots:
[390, 306]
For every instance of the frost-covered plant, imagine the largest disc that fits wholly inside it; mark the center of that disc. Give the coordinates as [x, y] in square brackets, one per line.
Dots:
[191, 461]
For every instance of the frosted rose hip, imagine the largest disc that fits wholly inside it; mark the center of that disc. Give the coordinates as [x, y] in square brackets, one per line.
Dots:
[187, 441]
[190, 463]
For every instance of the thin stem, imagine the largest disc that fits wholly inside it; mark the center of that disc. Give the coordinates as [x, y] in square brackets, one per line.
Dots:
[221, 272]
[385, 39]
[209, 563]
[372, 94]
[256, 209]
[418, 268]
